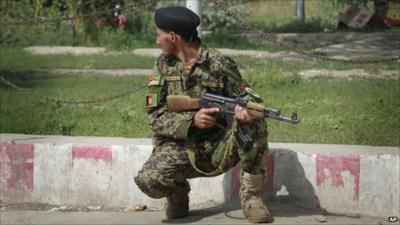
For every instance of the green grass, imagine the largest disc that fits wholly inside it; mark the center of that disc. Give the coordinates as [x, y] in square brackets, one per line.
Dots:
[335, 111]
[122, 117]
[17, 59]
[295, 66]
[360, 111]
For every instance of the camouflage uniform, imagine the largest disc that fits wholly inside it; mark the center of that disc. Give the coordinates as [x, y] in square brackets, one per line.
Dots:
[168, 166]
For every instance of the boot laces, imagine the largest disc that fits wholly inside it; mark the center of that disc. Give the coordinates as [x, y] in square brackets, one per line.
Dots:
[255, 201]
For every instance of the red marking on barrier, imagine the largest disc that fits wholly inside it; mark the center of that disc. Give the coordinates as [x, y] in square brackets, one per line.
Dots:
[92, 152]
[269, 172]
[268, 184]
[16, 169]
[235, 181]
[336, 165]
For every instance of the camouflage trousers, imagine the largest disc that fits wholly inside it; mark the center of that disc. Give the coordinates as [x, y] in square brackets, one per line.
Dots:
[168, 167]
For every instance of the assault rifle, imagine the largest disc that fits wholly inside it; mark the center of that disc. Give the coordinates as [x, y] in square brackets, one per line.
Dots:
[181, 103]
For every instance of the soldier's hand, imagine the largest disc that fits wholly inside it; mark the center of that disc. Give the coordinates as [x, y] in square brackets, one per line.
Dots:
[242, 115]
[205, 118]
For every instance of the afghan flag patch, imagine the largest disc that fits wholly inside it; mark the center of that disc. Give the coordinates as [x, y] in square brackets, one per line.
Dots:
[151, 100]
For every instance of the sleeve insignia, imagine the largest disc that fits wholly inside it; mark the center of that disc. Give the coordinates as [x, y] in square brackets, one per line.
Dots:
[151, 100]
[154, 80]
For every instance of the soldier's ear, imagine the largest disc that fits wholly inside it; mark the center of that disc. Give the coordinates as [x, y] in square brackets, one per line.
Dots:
[172, 36]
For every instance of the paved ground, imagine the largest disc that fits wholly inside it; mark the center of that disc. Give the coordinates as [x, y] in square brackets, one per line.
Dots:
[284, 213]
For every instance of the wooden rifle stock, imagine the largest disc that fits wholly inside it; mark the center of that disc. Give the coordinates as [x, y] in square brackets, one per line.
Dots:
[181, 103]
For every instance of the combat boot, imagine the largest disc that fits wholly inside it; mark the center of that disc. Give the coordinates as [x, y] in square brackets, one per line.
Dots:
[253, 206]
[177, 205]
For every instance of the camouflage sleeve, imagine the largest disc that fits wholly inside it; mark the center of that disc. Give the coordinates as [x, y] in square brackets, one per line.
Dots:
[162, 122]
[235, 85]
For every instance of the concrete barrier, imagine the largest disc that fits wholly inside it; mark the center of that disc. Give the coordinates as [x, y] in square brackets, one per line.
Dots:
[83, 171]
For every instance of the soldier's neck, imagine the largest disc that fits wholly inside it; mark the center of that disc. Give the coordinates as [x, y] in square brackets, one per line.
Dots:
[187, 53]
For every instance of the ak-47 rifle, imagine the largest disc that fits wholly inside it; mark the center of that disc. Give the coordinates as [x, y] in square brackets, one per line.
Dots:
[181, 103]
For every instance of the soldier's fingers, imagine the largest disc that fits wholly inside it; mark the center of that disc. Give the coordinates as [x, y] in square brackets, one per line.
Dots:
[211, 110]
[239, 112]
[247, 116]
[208, 118]
[207, 121]
[242, 115]
[206, 124]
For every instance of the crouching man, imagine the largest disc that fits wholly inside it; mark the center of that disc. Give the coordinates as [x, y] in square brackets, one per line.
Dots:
[186, 67]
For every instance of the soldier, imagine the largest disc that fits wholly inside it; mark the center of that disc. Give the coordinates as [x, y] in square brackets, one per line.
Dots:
[186, 67]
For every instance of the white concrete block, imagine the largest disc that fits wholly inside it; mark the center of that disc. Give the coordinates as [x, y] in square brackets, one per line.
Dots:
[52, 166]
[210, 189]
[91, 175]
[99, 171]
[379, 188]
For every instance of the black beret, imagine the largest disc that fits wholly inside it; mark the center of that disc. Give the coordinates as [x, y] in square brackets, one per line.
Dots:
[178, 19]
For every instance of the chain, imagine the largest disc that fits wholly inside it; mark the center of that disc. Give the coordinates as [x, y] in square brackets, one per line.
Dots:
[300, 51]
[70, 101]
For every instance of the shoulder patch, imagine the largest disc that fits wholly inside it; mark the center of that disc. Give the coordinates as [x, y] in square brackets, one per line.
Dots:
[154, 80]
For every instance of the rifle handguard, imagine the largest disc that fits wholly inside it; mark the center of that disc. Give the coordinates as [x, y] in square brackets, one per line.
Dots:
[181, 103]
[255, 109]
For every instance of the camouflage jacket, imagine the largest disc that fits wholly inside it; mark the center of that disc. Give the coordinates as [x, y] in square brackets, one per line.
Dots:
[212, 73]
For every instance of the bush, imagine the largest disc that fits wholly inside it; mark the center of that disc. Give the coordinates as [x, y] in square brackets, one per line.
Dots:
[120, 40]
[214, 18]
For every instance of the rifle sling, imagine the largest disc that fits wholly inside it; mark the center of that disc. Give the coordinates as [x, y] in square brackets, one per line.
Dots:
[228, 150]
